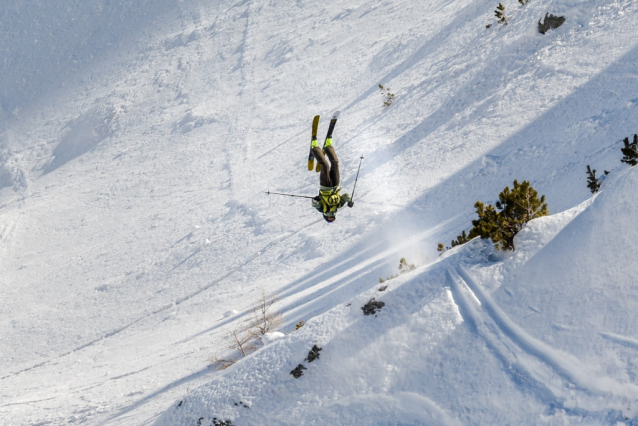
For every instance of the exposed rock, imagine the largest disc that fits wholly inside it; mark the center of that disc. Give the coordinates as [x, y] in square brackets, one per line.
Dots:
[313, 354]
[297, 372]
[371, 307]
[551, 22]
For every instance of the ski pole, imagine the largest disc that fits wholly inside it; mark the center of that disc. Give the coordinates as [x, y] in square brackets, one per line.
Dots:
[351, 203]
[288, 195]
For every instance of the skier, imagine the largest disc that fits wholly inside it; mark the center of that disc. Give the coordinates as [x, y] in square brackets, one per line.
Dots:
[329, 199]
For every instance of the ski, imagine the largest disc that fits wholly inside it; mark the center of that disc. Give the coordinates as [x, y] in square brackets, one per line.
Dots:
[331, 128]
[311, 157]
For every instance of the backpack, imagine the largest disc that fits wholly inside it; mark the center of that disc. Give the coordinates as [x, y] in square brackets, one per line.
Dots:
[330, 200]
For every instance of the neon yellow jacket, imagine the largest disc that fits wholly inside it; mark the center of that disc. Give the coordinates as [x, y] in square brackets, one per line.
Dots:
[330, 200]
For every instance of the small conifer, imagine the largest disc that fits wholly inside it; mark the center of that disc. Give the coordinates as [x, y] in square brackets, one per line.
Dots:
[500, 14]
[592, 181]
[487, 223]
[523, 2]
[460, 239]
[517, 207]
[388, 97]
[630, 151]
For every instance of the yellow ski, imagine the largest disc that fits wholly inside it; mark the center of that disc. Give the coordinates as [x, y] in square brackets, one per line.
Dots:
[311, 157]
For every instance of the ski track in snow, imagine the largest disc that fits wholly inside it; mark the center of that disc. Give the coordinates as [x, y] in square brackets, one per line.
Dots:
[623, 340]
[514, 347]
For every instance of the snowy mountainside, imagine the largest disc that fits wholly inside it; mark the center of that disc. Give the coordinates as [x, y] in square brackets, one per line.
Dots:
[552, 345]
[137, 141]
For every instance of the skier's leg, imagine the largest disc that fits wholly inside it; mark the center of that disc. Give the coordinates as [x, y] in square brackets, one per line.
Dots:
[334, 165]
[324, 175]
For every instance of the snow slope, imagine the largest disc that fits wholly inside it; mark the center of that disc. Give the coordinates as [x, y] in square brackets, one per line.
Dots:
[136, 144]
[554, 344]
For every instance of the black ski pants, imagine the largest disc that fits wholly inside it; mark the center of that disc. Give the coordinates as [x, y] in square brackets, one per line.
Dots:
[329, 175]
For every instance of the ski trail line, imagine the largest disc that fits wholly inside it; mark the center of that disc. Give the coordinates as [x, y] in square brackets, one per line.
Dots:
[186, 259]
[502, 349]
[169, 305]
[617, 338]
[527, 372]
[566, 365]
[485, 329]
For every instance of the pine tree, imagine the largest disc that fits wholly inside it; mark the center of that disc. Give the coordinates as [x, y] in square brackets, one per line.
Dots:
[523, 2]
[592, 181]
[630, 151]
[487, 225]
[500, 14]
[517, 207]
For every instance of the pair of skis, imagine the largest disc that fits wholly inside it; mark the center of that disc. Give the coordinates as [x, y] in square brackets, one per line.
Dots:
[315, 126]
[311, 157]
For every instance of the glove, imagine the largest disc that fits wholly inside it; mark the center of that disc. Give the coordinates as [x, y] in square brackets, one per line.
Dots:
[350, 203]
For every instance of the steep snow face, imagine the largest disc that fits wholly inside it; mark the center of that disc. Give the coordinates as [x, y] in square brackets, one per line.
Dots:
[583, 285]
[137, 140]
[549, 346]
[364, 363]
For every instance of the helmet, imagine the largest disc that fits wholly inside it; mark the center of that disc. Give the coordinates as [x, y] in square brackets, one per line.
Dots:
[329, 219]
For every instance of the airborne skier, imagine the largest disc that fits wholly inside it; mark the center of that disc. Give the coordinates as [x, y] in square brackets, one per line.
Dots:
[330, 198]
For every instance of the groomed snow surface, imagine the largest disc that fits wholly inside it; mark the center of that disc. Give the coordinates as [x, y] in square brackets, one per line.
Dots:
[138, 139]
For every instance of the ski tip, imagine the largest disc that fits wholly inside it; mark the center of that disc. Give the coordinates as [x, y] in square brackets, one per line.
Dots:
[336, 114]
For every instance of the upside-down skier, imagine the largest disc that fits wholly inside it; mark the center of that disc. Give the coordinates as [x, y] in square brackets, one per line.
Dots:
[330, 198]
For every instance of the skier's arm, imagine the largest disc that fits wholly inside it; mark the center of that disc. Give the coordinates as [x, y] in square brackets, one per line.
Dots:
[346, 199]
[316, 203]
